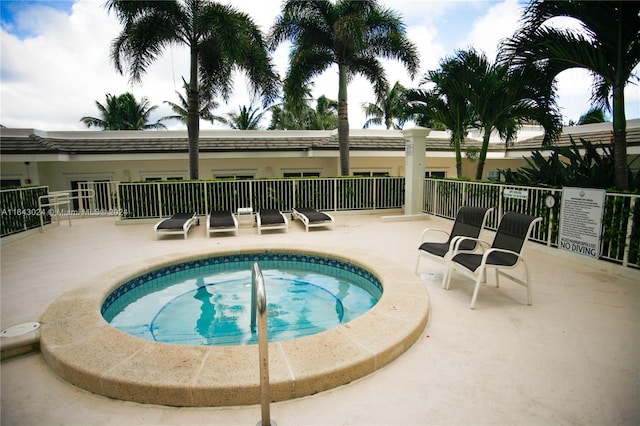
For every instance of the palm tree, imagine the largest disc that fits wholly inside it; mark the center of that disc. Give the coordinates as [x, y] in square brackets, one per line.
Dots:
[220, 40]
[350, 33]
[207, 105]
[123, 113]
[326, 113]
[388, 110]
[608, 46]
[247, 118]
[301, 116]
[446, 104]
[594, 115]
[503, 99]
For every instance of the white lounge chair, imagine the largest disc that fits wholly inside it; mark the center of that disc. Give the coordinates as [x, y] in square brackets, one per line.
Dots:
[179, 223]
[312, 217]
[221, 221]
[271, 219]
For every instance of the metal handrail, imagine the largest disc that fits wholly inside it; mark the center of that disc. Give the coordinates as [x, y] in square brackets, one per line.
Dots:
[62, 198]
[259, 307]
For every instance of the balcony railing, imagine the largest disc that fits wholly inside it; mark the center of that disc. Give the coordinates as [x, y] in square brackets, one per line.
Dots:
[620, 236]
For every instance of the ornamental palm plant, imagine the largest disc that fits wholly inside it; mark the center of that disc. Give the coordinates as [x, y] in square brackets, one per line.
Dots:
[608, 46]
[220, 39]
[350, 33]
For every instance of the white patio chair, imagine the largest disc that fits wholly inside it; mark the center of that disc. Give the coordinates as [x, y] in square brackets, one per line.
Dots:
[469, 223]
[505, 253]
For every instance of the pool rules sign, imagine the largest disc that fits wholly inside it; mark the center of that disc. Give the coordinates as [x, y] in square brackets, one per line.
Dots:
[581, 220]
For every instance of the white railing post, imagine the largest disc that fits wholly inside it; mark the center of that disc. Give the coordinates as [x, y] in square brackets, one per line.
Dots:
[335, 194]
[159, 191]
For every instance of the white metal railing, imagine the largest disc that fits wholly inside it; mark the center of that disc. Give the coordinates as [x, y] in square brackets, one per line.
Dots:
[620, 233]
[60, 204]
[138, 200]
[19, 209]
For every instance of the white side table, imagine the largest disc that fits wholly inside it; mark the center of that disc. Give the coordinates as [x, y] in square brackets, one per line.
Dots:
[246, 217]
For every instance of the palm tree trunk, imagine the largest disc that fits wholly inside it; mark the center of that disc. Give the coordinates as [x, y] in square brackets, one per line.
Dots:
[193, 117]
[343, 121]
[483, 153]
[456, 146]
[620, 139]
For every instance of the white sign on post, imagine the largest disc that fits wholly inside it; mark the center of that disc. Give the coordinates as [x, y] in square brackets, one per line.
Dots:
[518, 194]
[581, 220]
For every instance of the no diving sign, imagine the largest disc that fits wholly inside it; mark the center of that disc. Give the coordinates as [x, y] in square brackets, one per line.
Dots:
[581, 220]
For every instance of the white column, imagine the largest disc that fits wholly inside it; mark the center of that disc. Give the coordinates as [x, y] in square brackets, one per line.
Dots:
[415, 158]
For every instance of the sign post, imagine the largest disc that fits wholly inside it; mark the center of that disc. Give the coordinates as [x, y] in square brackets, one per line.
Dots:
[581, 220]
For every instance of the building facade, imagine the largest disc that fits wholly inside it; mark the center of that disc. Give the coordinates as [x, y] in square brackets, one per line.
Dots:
[61, 160]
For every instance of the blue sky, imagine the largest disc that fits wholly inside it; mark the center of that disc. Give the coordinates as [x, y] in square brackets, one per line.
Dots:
[54, 62]
[10, 11]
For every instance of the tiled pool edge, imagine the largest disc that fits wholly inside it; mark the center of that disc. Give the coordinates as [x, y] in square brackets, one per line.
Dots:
[82, 348]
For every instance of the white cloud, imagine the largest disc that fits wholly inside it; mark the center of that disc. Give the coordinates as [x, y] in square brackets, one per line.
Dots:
[500, 21]
[52, 79]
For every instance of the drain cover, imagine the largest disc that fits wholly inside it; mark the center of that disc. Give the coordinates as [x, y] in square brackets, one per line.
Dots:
[20, 329]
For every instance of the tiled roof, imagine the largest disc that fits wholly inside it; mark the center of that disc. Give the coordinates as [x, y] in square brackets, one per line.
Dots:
[599, 137]
[150, 142]
[29, 141]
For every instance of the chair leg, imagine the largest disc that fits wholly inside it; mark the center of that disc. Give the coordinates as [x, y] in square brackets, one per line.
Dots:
[528, 284]
[445, 276]
[477, 288]
[418, 263]
[446, 279]
[497, 278]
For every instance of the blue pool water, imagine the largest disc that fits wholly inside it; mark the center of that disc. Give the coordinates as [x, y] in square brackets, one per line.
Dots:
[208, 302]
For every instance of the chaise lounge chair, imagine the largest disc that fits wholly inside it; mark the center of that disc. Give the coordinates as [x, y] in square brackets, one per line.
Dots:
[179, 223]
[221, 221]
[469, 223]
[505, 253]
[271, 219]
[312, 217]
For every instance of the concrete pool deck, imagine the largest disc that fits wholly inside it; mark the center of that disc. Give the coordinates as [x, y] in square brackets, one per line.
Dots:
[82, 348]
[571, 358]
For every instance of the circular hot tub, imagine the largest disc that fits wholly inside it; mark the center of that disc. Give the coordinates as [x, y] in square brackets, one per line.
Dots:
[209, 301]
[84, 349]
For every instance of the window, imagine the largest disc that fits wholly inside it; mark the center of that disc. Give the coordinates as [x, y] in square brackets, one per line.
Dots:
[232, 176]
[301, 174]
[371, 174]
[4, 183]
[436, 175]
[493, 175]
